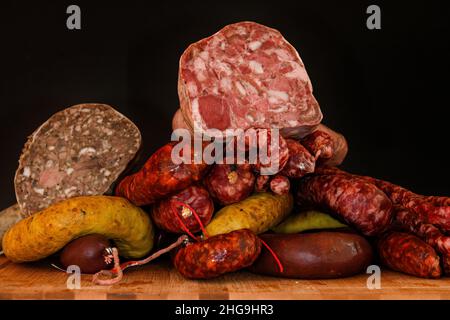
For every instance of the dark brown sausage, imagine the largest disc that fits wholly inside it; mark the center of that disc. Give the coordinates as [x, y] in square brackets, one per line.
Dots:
[280, 185]
[194, 196]
[300, 160]
[353, 200]
[409, 254]
[218, 255]
[159, 178]
[230, 183]
[318, 255]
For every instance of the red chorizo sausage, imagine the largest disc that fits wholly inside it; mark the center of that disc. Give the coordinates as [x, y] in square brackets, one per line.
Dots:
[409, 221]
[300, 161]
[276, 150]
[262, 183]
[319, 143]
[430, 209]
[408, 254]
[218, 255]
[280, 185]
[159, 178]
[332, 145]
[353, 200]
[197, 198]
[230, 183]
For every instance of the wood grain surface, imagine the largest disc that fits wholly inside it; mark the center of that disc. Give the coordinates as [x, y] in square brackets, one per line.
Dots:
[160, 281]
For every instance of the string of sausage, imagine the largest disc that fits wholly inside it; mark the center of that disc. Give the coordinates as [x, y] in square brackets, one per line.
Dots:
[433, 210]
[411, 212]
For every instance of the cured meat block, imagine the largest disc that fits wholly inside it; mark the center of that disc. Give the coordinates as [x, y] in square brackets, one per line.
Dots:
[81, 150]
[246, 75]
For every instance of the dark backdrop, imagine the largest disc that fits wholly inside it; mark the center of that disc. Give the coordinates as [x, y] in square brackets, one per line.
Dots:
[386, 90]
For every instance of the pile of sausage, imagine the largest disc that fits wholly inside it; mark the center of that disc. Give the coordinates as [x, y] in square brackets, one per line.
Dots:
[409, 230]
[248, 76]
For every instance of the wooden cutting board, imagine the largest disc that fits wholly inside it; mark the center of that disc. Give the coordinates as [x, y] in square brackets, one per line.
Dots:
[160, 281]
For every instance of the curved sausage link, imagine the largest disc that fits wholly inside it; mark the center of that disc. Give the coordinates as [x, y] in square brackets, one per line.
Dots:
[357, 202]
[197, 198]
[300, 161]
[218, 255]
[408, 254]
[159, 178]
[230, 183]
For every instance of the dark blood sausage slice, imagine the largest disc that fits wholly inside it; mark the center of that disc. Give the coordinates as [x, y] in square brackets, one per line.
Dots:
[300, 162]
[218, 255]
[160, 177]
[280, 185]
[246, 75]
[430, 209]
[408, 254]
[320, 255]
[196, 197]
[409, 221]
[79, 151]
[230, 183]
[357, 202]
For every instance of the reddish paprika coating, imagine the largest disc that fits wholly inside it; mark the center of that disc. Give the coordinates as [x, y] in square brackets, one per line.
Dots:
[409, 254]
[300, 161]
[320, 144]
[218, 255]
[196, 197]
[159, 178]
[280, 185]
[430, 209]
[277, 151]
[230, 183]
[262, 183]
[353, 200]
[410, 221]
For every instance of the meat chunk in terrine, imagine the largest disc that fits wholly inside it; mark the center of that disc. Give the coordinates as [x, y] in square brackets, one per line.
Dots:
[246, 75]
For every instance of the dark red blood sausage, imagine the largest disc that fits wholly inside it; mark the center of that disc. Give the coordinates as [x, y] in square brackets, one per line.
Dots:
[160, 177]
[262, 183]
[218, 255]
[230, 183]
[168, 212]
[319, 143]
[300, 160]
[353, 200]
[408, 254]
[280, 185]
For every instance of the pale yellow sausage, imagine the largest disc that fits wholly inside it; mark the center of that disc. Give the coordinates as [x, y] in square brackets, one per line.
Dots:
[259, 213]
[48, 231]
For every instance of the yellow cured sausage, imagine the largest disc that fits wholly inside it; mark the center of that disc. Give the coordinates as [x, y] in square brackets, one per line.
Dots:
[259, 213]
[48, 231]
[308, 220]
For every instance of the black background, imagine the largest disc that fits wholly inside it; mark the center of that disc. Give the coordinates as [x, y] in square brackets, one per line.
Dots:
[386, 90]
